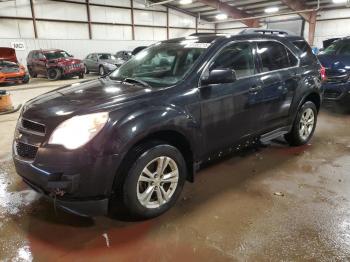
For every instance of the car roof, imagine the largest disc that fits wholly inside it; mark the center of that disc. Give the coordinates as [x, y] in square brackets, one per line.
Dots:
[47, 50]
[210, 38]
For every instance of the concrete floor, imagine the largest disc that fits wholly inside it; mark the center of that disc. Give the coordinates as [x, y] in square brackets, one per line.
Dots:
[275, 204]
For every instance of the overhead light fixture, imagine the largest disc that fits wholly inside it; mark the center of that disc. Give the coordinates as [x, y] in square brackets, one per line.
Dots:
[185, 2]
[221, 16]
[340, 1]
[273, 9]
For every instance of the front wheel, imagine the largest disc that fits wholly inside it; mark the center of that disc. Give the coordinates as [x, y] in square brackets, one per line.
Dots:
[304, 125]
[154, 181]
[54, 74]
[81, 75]
[102, 71]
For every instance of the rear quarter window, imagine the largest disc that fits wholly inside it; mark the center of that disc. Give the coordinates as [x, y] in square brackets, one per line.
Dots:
[275, 56]
[307, 57]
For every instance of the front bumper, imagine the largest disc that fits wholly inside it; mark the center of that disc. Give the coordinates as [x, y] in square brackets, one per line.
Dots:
[12, 77]
[73, 72]
[337, 93]
[79, 181]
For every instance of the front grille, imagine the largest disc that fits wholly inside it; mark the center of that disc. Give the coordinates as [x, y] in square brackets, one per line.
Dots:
[33, 126]
[332, 93]
[26, 151]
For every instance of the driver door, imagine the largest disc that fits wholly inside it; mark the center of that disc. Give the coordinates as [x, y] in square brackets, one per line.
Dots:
[230, 112]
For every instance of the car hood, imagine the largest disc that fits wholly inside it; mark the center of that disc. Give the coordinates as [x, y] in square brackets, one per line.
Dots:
[65, 61]
[82, 98]
[8, 54]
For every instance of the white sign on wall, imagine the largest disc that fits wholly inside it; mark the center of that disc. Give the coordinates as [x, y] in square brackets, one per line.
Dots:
[18, 46]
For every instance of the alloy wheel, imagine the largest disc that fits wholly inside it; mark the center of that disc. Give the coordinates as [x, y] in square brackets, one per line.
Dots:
[306, 124]
[157, 182]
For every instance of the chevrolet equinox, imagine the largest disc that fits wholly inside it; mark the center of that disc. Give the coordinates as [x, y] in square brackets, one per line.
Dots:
[132, 138]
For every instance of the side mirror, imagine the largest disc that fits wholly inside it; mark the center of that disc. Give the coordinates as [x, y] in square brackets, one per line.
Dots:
[219, 76]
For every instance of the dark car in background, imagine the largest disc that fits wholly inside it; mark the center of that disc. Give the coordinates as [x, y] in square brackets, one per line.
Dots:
[54, 64]
[131, 139]
[336, 60]
[102, 63]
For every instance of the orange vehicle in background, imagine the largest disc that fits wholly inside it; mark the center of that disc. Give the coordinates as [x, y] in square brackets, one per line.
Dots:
[10, 70]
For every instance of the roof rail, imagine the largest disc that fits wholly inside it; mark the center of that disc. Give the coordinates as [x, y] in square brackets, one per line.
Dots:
[265, 32]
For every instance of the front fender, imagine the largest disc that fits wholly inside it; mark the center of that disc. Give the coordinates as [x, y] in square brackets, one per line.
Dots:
[135, 127]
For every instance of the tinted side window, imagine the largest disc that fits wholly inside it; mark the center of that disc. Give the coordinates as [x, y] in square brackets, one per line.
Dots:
[308, 55]
[35, 55]
[239, 57]
[345, 49]
[273, 55]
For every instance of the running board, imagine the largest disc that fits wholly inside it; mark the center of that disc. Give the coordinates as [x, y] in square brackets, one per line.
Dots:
[274, 134]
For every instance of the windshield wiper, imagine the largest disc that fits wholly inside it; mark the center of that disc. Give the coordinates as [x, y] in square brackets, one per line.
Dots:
[138, 81]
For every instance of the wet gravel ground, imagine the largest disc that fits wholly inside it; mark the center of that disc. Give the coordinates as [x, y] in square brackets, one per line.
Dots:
[273, 204]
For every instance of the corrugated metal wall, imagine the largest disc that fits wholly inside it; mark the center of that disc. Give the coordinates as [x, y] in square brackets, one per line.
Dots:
[74, 37]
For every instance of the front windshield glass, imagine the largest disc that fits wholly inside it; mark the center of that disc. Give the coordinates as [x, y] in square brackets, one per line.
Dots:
[57, 55]
[332, 48]
[106, 56]
[160, 65]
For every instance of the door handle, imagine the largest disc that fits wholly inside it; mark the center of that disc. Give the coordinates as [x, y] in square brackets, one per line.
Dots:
[255, 89]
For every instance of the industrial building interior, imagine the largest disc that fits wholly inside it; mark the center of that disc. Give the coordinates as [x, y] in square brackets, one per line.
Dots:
[267, 201]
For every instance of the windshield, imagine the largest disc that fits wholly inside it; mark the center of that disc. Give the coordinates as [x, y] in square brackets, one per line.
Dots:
[160, 65]
[106, 56]
[56, 55]
[332, 48]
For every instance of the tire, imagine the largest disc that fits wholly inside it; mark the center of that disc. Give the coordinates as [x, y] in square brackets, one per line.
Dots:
[25, 79]
[81, 76]
[137, 183]
[86, 70]
[304, 125]
[101, 71]
[54, 74]
[31, 73]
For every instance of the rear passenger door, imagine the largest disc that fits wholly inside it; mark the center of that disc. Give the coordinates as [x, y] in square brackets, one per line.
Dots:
[279, 78]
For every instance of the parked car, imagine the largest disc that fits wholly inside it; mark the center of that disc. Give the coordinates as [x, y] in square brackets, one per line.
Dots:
[336, 59]
[138, 50]
[102, 63]
[131, 139]
[10, 70]
[54, 64]
[123, 56]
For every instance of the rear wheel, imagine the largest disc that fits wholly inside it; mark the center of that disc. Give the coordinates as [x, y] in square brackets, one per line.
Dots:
[54, 74]
[31, 73]
[154, 181]
[304, 125]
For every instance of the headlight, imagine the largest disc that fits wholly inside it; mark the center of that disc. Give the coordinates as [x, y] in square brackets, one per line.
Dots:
[78, 130]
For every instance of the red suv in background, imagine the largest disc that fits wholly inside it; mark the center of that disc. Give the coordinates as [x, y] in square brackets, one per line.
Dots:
[54, 64]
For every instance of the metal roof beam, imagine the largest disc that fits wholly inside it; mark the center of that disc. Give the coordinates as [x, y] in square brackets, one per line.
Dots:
[231, 11]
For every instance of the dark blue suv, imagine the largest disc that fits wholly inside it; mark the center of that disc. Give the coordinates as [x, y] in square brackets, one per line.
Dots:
[336, 60]
[130, 140]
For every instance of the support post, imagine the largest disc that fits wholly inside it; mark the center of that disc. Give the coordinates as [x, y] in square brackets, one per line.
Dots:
[312, 27]
[89, 18]
[33, 18]
[132, 19]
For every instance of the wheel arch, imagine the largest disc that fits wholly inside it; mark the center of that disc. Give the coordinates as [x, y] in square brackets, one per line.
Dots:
[170, 137]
